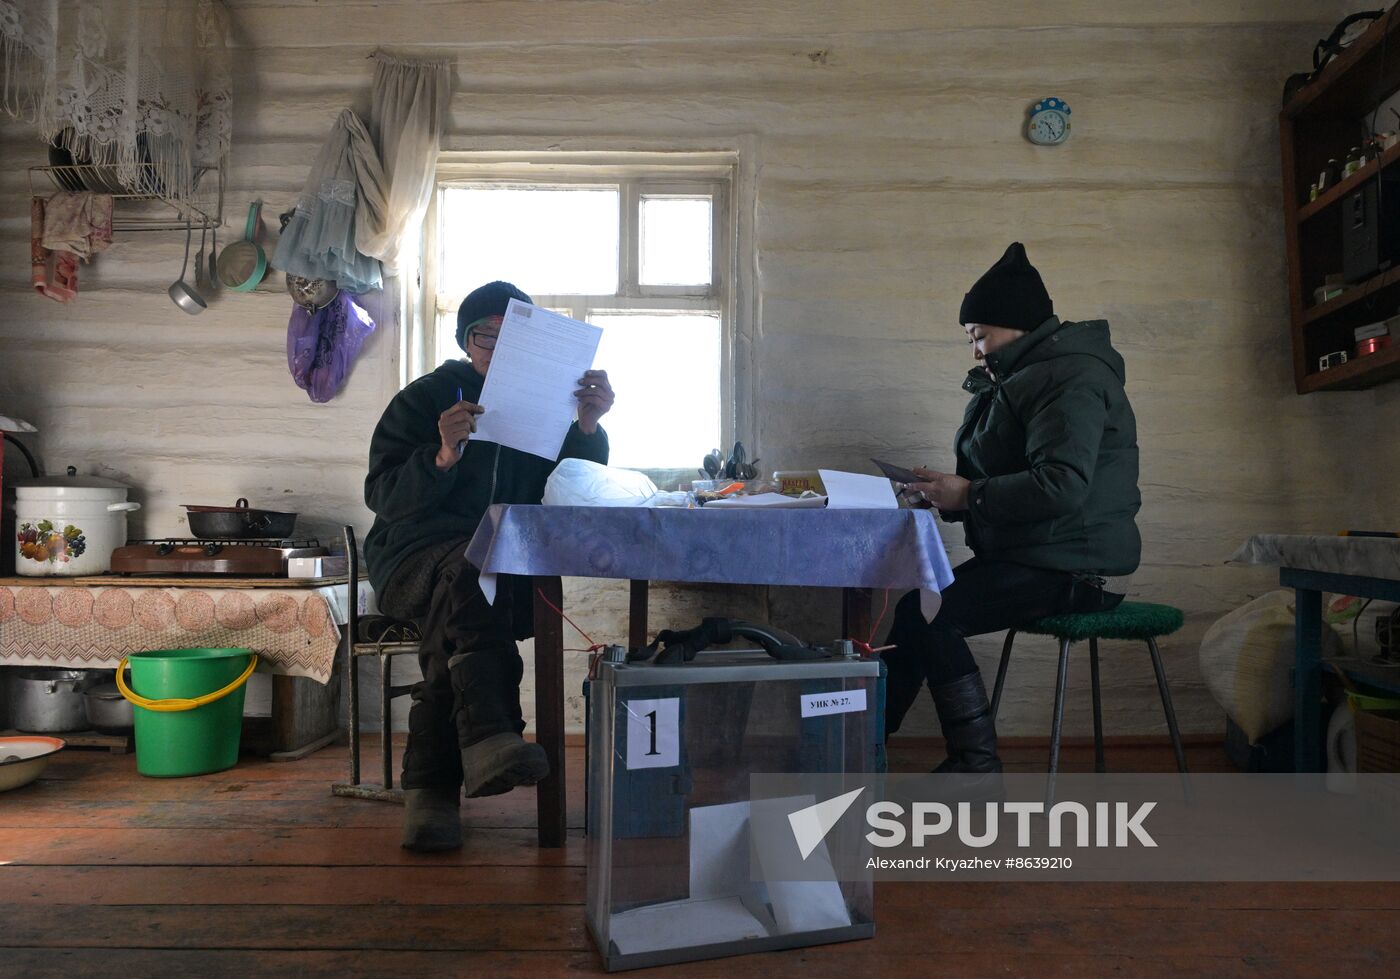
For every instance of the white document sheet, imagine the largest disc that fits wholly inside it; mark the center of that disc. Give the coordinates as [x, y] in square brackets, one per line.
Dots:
[855, 491]
[719, 851]
[768, 501]
[683, 924]
[529, 390]
[799, 905]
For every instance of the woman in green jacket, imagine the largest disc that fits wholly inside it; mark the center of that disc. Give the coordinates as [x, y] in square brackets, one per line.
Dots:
[1045, 488]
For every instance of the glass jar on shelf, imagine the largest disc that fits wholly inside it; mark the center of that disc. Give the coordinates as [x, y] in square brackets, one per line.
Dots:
[1353, 162]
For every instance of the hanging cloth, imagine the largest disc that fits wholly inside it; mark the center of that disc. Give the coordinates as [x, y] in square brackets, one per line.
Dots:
[322, 346]
[346, 186]
[406, 117]
[145, 85]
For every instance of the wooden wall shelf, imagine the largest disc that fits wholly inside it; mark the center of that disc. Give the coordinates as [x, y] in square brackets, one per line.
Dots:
[1372, 288]
[1345, 187]
[1324, 120]
[1363, 372]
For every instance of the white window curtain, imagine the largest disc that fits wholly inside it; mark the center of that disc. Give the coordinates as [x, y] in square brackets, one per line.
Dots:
[406, 118]
[142, 84]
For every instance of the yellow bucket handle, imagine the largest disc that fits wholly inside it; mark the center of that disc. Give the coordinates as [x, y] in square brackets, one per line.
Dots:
[181, 703]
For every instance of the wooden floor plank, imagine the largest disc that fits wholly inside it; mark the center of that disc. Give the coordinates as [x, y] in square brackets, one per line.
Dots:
[279, 886]
[1152, 933]
[435, 885]
[300, 846]
[825, 962]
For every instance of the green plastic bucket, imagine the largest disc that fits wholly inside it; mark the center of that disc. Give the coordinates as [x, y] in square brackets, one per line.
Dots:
[189, 708]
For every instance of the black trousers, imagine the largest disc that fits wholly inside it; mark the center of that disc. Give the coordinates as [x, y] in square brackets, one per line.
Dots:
[471, 671]
[985, 596]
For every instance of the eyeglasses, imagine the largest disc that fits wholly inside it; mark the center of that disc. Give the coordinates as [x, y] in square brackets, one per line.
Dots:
[486, 341]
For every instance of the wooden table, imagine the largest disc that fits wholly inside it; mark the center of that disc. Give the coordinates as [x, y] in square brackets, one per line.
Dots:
[857, 551]
[304, 714]
[1310, 564]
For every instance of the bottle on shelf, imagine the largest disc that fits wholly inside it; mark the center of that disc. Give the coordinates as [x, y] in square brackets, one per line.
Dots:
[1353, 163]
[1334, 172]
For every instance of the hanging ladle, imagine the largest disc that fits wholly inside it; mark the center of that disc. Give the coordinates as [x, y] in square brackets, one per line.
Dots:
[182, 294]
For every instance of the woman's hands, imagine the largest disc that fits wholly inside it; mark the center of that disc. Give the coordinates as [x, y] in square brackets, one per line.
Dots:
[454, 426]
[935, 489]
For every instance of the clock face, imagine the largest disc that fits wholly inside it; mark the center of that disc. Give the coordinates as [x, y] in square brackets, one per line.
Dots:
[1048, 127]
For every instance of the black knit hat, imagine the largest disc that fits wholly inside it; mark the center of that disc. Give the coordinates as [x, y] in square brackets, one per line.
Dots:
[488, 300]
[1009, 293]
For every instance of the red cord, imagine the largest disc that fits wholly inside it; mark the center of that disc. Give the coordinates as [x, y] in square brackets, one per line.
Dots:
[867, 648]
[593, 647]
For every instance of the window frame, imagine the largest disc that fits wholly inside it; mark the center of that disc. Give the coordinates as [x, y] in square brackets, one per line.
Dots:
[712, 174]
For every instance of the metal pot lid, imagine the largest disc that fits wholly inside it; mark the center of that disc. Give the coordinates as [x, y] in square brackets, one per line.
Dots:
[70, 480]
[105, 691]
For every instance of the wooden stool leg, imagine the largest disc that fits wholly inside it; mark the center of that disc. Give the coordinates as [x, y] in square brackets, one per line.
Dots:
[386, 719]
[1167, 705]
[1058, 723]
[1099, 765]
[1001, 672]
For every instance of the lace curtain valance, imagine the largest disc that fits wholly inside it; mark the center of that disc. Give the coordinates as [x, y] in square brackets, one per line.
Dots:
[124, 82]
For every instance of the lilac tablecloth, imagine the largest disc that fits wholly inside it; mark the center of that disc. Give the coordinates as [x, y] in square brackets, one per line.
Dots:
[823, 548]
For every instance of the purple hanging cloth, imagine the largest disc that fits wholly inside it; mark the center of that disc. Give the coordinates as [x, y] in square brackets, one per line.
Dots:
[322, 346]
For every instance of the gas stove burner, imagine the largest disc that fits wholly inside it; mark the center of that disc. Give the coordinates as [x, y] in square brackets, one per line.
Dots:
[248, 557]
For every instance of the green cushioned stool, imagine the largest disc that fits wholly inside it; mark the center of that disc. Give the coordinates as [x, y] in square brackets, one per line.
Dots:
[1141, 621]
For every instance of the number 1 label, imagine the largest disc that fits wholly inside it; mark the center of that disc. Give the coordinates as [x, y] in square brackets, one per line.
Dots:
[653, 733]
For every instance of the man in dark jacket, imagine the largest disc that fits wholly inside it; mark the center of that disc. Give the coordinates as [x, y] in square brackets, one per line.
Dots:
[429, 485]
[1046, 489]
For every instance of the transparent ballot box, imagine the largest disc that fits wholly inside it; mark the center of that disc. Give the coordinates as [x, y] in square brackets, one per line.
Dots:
[675, 841]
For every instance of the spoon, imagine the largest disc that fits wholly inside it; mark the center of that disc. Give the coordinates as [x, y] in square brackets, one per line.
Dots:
[210, 277]
[200, 282]
[181, 294]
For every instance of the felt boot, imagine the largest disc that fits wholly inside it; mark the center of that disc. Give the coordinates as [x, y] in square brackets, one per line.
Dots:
[431, 821]
[501, 762]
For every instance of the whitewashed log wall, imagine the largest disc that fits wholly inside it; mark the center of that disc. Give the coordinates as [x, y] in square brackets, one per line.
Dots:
[889, 170]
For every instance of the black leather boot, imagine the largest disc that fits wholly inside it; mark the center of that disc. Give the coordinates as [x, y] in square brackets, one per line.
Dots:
[971, 736]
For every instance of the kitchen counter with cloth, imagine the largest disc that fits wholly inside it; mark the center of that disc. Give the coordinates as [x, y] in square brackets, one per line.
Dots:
[292, 624]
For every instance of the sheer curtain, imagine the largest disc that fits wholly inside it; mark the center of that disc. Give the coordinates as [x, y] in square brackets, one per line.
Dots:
[124, 82]
[406, 118]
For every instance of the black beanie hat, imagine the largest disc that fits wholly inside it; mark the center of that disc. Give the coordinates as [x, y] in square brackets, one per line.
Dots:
[488, 300]
[1009, 293]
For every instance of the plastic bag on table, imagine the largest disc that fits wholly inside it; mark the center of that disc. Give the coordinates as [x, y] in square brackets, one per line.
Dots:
[579, 482]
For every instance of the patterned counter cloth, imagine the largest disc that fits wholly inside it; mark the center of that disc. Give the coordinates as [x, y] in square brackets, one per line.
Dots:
[824, 548]
[294, 630]
[1364, 557]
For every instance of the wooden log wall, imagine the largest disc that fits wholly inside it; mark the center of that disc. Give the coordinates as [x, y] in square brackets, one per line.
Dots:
[888, 170]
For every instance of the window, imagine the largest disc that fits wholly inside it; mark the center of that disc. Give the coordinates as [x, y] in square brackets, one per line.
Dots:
[641, 251]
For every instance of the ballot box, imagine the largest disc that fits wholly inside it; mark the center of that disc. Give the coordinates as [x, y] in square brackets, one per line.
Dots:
[672, 876]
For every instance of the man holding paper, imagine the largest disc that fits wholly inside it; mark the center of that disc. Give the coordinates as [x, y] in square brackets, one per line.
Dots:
[429, 484]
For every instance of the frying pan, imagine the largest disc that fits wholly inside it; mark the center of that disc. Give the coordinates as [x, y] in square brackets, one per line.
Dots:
[239, 521]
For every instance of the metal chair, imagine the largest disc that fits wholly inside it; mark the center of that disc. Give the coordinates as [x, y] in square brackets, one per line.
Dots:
[1142, 621]
[386, 639]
